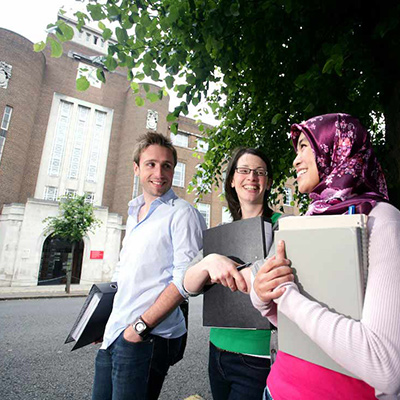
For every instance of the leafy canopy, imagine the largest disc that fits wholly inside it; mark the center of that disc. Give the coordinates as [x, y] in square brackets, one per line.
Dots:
[262, 64]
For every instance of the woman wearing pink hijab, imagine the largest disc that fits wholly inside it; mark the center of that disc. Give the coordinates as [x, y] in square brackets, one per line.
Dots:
[336, 166]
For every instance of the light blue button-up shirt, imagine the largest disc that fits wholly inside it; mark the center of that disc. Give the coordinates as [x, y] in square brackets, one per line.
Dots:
[155, 252]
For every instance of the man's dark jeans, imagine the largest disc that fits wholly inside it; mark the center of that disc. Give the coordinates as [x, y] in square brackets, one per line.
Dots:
[236, 376]
[133, 371]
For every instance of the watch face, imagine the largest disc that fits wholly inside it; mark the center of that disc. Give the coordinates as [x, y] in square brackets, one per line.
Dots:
[140, 326]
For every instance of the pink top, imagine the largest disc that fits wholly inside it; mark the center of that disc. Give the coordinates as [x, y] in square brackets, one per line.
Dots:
[369, 348]
[293, 378]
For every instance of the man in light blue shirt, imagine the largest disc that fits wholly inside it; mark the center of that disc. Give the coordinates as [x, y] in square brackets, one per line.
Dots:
[145, 330]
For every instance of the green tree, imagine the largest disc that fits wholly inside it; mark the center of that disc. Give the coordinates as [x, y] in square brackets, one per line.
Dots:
[275, 62]
[75, 220]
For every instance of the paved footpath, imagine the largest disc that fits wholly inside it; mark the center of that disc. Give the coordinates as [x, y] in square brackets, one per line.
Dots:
[35, 292]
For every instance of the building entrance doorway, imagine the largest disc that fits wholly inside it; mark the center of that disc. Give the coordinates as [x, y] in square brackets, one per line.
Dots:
[56, 255]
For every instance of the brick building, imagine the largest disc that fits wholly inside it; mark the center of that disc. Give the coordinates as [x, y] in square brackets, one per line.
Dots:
[55, 140]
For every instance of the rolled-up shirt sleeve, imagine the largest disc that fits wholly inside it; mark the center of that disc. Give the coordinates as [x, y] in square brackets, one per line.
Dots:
[187, 240]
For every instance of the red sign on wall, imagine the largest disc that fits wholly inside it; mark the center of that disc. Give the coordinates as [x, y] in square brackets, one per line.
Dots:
[96, 255]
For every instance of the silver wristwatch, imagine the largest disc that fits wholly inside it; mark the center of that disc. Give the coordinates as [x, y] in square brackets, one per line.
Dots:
[141, 328]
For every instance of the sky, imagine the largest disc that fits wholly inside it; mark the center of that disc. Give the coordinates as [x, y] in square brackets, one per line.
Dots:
[29, 18]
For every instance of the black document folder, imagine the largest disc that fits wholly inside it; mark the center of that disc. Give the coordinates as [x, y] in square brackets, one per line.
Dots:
[91, 322]
[243, 241]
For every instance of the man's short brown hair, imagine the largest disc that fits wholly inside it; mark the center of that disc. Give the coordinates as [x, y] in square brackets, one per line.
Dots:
[149, 139]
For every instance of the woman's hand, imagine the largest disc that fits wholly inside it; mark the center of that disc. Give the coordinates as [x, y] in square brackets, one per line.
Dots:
[274, 272]
[224, 271]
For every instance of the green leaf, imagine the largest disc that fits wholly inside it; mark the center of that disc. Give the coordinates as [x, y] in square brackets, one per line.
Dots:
[153, 97]
[40, 46]
[100, 75]
[139, 101]
[110, 63]
[173, 14]
[101, 26]
[82, 84]
[147, 70]
[328, 67]
[169, 81]
[276, 119]
[126, 23]
[155, 75]
[113, 12]
[56, 47]
[213, 106]
[310, 107]
[122, 35]
[145, 20]
[64, 32]
[140, 32]
[96, 11]
[107, 34]
[146, 87]
[135, 87]
[174, 128]
[234, 9]
[171, 117]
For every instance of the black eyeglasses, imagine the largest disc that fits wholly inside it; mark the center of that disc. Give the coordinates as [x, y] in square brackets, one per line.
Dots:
[248, 171]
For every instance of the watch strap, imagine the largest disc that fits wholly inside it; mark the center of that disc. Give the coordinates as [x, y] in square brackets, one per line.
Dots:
[143, 333]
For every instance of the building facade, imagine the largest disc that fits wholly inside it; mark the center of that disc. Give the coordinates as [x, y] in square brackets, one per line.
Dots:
[55, 141]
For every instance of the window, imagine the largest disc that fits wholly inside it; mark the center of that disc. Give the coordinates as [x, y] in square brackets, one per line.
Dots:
[179, 175]
[90, 73]
[61, 133]
[135, 187]
[79, 141]
[204, 210]
[288, 198]
[2, 142]
[76, 147]
[180, 139]
[5, 122]
[226, 215]
[50, 193]
[89, 197]
[70, 193]
[95, 145]
[202, 145]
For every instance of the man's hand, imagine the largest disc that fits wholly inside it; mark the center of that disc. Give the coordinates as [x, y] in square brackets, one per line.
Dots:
[131, 336]
[273, 273]
[224, 271]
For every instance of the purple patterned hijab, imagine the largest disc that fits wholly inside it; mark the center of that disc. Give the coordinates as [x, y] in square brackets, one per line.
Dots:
[348, 170]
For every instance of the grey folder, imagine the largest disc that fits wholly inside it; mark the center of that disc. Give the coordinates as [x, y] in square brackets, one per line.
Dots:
[247, 240]
[330, 260]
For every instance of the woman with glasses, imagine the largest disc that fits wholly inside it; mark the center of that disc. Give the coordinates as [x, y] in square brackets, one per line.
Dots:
[239, 359]
[336, 166]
